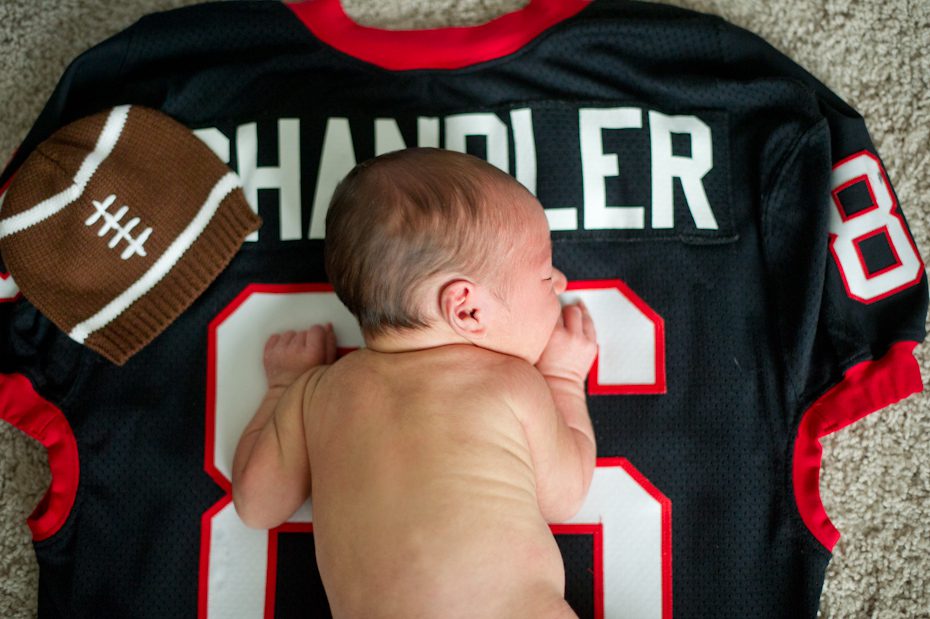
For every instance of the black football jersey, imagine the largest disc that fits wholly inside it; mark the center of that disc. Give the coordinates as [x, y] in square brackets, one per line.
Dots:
[725, 217]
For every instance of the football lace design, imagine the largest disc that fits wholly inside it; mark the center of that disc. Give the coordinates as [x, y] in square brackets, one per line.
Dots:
[111, 221]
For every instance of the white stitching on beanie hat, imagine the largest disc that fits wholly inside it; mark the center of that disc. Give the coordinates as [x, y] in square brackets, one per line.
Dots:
[51, 206]
[164, 264]
[188, 204]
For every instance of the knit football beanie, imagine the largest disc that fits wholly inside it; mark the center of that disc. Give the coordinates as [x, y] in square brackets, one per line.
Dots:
[115, 224]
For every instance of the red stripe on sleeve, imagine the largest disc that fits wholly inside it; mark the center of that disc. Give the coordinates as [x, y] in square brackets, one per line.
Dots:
[866, 387]
[25, 409]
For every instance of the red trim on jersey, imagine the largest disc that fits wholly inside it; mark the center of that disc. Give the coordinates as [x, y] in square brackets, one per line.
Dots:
[435, 48]
[6, 185]
[271, 579]
[210, 434]
[866, 387]
[596, 531]
[16, 296]
[25, 409]
[206, 534]
[206, 521]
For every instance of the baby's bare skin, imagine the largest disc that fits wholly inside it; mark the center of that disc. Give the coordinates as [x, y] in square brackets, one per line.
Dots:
[424, 490]
[435, 456]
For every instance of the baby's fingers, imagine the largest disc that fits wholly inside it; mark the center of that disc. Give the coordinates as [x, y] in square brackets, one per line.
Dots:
[316, 339]
[573, 318]
[272, 341]
[330, 344]
[279, 342]
[587, 323]
[306, 338]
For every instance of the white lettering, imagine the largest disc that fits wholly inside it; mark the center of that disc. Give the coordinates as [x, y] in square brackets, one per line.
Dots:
[387, 136]
[336, 160]
[285, 177]
[666, 167]
[596, 165]
[524, 146]
[486, 125]
[428, 131]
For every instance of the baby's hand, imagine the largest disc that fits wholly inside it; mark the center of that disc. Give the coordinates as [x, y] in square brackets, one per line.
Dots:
[290, 354]
[572, 345]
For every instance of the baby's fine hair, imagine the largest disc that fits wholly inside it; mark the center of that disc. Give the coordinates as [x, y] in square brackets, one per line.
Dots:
[399, 219]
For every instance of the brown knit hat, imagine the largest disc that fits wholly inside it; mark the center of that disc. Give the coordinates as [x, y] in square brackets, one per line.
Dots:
[114, 225]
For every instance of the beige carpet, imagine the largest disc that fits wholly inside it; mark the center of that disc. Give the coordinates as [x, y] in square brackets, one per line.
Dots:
[873, 53]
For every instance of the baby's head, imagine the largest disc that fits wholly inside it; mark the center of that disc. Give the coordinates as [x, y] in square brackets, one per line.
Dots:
[401, 224]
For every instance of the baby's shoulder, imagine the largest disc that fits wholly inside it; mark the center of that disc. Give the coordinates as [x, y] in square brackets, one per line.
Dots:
[518, 381]
[450, 370]
[499, 370]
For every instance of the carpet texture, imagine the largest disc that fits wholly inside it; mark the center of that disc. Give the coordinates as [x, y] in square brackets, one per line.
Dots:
[876, 474]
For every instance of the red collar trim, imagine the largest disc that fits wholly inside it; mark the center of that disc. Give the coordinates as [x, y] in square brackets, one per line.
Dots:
[437, 48]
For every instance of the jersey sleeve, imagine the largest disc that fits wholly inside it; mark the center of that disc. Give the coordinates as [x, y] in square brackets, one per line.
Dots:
[844, 277]
[41, 367]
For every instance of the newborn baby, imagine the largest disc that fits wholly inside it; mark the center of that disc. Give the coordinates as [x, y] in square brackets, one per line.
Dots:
[436, 455]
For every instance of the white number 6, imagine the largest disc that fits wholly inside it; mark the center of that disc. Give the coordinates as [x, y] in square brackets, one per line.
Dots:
[628, 517]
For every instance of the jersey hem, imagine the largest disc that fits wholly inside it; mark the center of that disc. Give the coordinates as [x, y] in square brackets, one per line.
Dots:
[866, 387]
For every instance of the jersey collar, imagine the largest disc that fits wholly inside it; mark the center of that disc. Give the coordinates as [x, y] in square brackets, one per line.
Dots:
[435, 48]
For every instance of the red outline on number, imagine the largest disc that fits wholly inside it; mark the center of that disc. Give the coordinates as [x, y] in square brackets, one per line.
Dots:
[895, 211]
[206, 525]
[857, 243]
[845, 216]
[660, 385]
[248, 291]
[271, 578]
[17, 296]
[596, 531]
[666, 504]
[206, 532]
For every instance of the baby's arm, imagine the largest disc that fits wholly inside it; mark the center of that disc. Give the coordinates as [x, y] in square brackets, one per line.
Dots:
[271, 468]
[562, 440]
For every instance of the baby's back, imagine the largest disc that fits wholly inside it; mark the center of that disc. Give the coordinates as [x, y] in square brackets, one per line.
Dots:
[423, 491]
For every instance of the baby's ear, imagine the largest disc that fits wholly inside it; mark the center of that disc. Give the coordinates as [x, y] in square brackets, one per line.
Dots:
[464, 306]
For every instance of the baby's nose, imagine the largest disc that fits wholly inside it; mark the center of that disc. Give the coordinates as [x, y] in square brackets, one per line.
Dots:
[559, 282]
